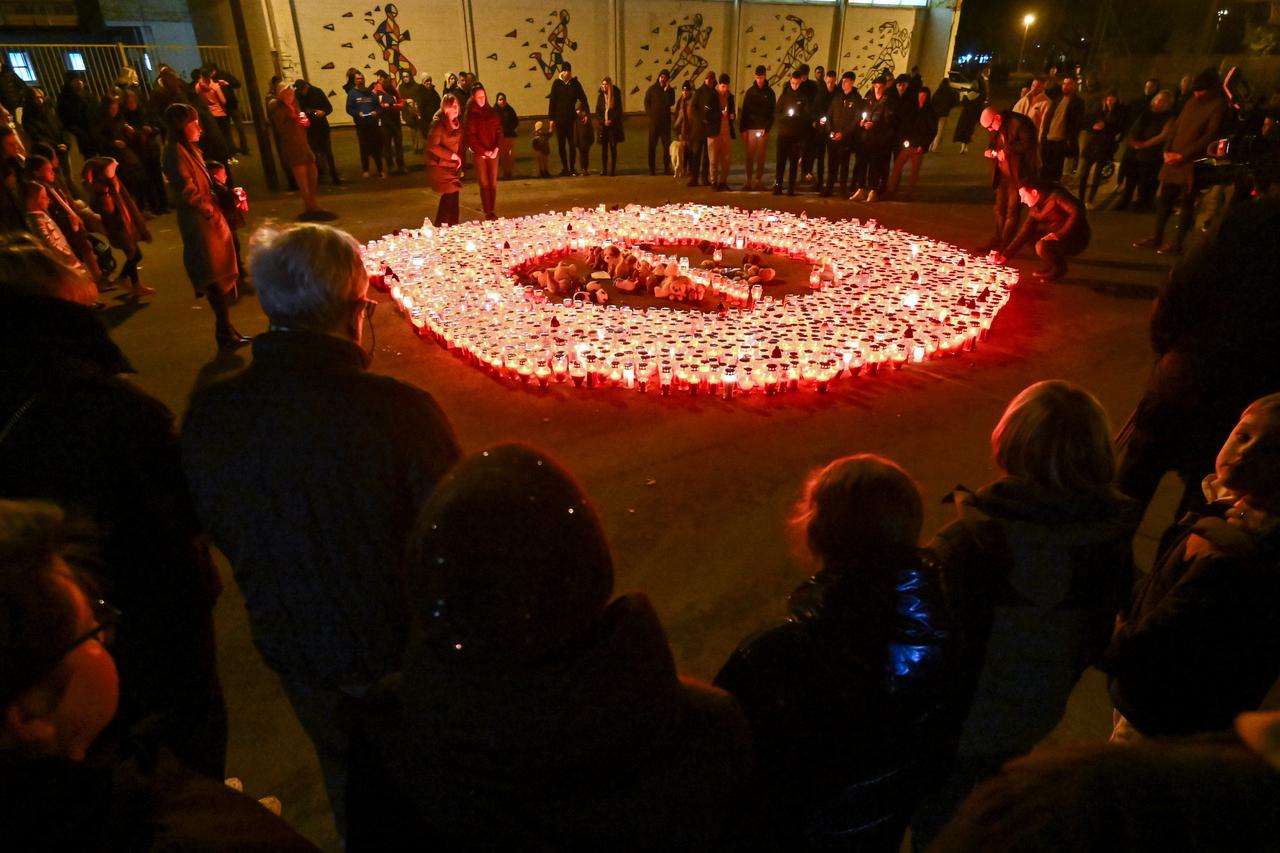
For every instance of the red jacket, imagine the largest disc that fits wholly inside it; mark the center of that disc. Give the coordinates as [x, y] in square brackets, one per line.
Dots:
[482, 130]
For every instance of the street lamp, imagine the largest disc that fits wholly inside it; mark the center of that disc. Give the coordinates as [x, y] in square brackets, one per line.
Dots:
[1027, 21]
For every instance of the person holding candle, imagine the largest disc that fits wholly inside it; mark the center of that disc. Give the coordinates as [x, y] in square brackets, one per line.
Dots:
[562, 106]
[444, 165]
[390, 117]
[1036, 567]
[842, 130]
[1056, 222]
[848, 698]
[1014, 160]
[705, 103]
[754, 122]
[683, 126]
[876, 146]
[792, 116]
[362, 106]
[917, 131]
[291, 124]
[482, 132]
[609, 117]
[719, 117]
[272, 468]
[536, 711]
[510, 130]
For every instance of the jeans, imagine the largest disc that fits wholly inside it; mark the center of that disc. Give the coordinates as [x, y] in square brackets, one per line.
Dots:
[1008, 212]
[369, 137]
[787, 156]
[1053, 154]
[1170, 195]
[838, 153]
[660, 136]
[326, 716]
[564, 140]
[393, 143]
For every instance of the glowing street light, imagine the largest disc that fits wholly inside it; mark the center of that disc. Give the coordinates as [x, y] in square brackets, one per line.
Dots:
[1028, 19]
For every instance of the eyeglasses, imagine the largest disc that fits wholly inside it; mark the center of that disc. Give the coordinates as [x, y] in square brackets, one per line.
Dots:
[366, 307]
[104, 632]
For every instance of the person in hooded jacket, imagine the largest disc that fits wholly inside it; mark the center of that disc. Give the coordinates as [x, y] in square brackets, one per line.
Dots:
[848, 698]
[534, 713]
[1035, 567]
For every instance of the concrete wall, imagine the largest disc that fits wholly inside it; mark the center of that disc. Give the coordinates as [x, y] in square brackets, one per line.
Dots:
[515, 46]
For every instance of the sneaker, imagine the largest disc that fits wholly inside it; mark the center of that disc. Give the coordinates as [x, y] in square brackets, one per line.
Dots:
[871, 197]
[858, 195]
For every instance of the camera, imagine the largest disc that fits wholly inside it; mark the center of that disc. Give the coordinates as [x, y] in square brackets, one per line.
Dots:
[1247, 159]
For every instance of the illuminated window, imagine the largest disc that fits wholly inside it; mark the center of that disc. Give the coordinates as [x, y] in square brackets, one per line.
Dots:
[75, 61]
[22, 65]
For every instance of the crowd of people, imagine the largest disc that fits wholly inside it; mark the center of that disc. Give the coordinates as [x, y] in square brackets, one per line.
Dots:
[481, 686]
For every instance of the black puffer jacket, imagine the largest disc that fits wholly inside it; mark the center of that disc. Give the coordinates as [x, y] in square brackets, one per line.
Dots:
[847, 701]
[791, 112]
[757, 108]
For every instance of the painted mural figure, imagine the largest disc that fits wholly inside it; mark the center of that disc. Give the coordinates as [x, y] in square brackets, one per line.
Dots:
[800, 51]
[897, 43]
[557, 41]
[690, 38]
[389, 36]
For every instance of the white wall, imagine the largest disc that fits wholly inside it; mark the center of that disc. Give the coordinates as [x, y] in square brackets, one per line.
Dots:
[781, 37]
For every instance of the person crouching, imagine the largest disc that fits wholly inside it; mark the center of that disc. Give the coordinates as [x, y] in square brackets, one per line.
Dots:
[1057, 223]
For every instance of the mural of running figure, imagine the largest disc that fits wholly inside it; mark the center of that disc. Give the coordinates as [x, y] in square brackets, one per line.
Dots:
[690, 38]
[897, 42]
[800, 51]
[388, 35]
[557, 41]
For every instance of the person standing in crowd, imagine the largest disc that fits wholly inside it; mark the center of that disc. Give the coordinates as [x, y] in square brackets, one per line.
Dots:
[682, 124]
[316, 105]
[754, 122]
[411, 92]
[124, 224]
[529, 692]
[720, 133]
[842, 130]
[69, 782]
[849, 698]
[821, 132]
[292, 124]
[42, 125]
[208, 250]
[321, 574]
[67, 218]
[1014, 160]
[215, 101]
[362, 106]
[1060, 132]
[1035, 104]
[510, 131]
[584, 136]
[1056, 222]
[451, 86]
[809, 90]
[12, 172]
[147, 142]
[233, 209]
[945, 100]
[609, 119]
[1213, 318]
[230, 85]
[967, 123]
[482, 134]
[1201, 643]
[1144, 150]
[62, 379]
[428, 106]
[1190, 133]
[444, 163]
[658, 101]
[14, 91]
[1036, 566]
[74, 109]
[791, 115]
[562, 108]
[1186, 90]
[876, 146]
[541, 143]
[918, 132]
[1105, 127]
[706, 103]
[390, 108]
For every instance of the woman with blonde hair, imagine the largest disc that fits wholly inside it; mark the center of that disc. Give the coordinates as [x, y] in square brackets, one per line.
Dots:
[444, 162]
[1035, 566]
[848, 698]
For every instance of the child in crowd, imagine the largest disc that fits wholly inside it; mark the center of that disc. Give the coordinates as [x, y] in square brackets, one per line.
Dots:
[121, 218]
[542, 148]
[233, 208]
[40, 224]
[583, 136]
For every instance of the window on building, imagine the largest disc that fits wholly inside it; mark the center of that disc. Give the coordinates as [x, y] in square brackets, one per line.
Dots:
[22, 65]
[75, 61]
[146, 60]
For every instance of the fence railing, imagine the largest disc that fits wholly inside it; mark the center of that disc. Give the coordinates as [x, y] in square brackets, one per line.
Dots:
[45, 65]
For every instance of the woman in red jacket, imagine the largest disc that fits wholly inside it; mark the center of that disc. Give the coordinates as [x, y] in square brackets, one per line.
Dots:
[482, 132]
[444, 165]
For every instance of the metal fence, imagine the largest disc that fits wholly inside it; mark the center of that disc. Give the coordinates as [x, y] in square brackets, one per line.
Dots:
[45, 65]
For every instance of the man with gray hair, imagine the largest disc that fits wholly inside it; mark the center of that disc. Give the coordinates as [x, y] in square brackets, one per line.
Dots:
[308, 472]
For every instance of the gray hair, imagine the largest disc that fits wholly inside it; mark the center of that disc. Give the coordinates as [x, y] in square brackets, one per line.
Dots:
[306, 275]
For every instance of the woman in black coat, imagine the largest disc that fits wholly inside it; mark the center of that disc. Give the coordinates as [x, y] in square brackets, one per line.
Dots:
[970, 111]
[609, 122]
[534, 713]
[849, 697]
[1036, 566]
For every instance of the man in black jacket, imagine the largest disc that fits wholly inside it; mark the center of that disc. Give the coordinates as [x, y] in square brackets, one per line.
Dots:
[1056, 223]
[821, 134]
[308, 472]
[1059, 136]
[876, 147]
[792, 116]
[562, 107]
[1014, 157]
[842, 132]
[754, 122]
[315, 103]
[705, 102]
[658, 102]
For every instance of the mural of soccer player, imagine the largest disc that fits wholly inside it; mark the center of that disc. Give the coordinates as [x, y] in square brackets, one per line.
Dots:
[556, 43]
[800, 51]
[897, 46]
[388, 35]
[690, 38]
